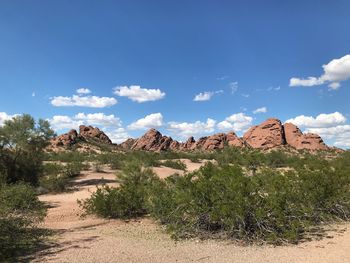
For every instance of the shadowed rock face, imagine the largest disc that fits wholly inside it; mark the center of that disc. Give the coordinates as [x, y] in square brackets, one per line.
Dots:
[268, 134]
[299, 141]
[94, 132]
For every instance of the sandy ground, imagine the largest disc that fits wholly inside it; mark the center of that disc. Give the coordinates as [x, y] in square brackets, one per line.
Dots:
[98, 240]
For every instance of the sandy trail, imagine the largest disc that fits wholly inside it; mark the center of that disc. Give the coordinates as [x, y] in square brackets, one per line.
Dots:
[99, 240]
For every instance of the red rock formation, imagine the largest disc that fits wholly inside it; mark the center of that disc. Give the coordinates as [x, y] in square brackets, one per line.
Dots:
[92, 132]
[268, 134]
[299, 141]
[127, 144]
[188, 145]
[233, 140]
[152, 140]
[66, 139]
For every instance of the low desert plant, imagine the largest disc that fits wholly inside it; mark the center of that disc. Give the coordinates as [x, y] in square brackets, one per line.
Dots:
[20, 213]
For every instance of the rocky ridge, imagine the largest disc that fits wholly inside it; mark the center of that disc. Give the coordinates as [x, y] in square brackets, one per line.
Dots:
[267, 135]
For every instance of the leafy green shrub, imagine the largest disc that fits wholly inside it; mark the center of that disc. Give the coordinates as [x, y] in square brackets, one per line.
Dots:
[20, 213]
[126, 201]
[175, 164]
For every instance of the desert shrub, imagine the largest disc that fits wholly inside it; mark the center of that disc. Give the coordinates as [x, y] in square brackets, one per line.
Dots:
[270, 206]
[67, 156]
[175, 164]
[20, 213]
[57, 177]
[126, 201]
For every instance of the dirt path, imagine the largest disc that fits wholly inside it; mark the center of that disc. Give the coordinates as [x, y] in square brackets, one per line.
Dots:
[99, 240]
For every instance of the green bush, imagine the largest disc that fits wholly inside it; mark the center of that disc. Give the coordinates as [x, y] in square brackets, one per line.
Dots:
[126, 201]
[222, 200]
[20, 213]
[175, 164]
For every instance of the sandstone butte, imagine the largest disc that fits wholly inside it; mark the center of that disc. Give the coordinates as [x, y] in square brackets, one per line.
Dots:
[267, 135]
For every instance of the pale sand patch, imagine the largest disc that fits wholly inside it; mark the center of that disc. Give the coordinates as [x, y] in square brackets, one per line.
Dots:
[99, 240]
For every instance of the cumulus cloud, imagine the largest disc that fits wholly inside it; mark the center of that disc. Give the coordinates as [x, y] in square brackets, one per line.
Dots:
[118, 135]
[260, 110]
[83, 91]
[4, 117]
[60, 122]
[321, 121]
[329, 126]
[336, 71]
[206, 95]
[236, 122]
[186, 129]
[154, 120]
[138, 94]
[83, 101]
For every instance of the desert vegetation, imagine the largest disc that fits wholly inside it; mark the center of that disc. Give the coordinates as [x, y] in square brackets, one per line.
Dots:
[271, 197]
[21, 153]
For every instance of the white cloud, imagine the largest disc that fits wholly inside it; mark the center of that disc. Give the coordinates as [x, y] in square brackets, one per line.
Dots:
[340, 134]
[110, 124]
[233, 87]
[206, 95]
[4, 117]
[186, 129]
[335, 71]
[138, 94]
[33, 94]
[60, 122]
[118, 135]
[260, 110]
[83, 101]
[245, 95]
[236, 122]
[83, 91]
[321, 121]
[274, 88]
[154, 120]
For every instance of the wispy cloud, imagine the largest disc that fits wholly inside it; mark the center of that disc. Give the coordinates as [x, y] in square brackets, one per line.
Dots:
[233, 86]
[260, 110]
[206, 95]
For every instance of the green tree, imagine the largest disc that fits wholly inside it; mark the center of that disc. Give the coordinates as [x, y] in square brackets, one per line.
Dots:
[22, 141]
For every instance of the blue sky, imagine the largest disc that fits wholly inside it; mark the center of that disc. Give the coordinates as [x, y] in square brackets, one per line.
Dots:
[146, 61]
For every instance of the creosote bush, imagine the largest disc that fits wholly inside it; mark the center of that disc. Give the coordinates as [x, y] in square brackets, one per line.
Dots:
[224, 200]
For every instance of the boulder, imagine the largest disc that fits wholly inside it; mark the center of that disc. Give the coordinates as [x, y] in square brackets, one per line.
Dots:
[127, 144]
[268, 134]
[233, 140]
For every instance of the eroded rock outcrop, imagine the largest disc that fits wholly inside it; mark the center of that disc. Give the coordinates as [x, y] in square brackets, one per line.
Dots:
[266, 135]
[298, 140]
[66, 139]
[152, 140]
[95, 133]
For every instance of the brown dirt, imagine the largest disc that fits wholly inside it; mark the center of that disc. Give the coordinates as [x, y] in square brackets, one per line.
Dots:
[98, 240]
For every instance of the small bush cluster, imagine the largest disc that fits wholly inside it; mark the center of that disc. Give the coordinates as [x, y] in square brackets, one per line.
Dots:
[57, 177]
[126, 201]
[175, 164]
